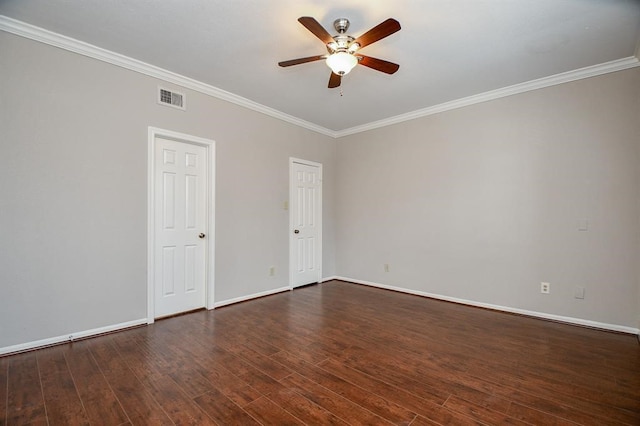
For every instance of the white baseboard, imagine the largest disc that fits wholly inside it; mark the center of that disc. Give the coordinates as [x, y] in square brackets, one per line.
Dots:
[543, 315]
[22, 347]
[262, 294]
[70, 337]
[251, 296]
[143, 321]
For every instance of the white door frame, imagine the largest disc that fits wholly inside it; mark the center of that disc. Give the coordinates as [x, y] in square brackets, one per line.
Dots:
[293, 160]
[210, 145]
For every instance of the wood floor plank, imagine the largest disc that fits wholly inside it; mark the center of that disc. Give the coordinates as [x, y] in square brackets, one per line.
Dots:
[99, 401]
[334, 353]
[25, 402]
[369, 400]
[261, 346]
[62, 402]
[556, 386]
[513, 382]
[140, 406]
[249, 374]
[582, 412]
[426, 410]
[177, 404]
[537, 417]
[393, 371]
[421, 421]
[223, 410]
[480, 413]
[426, 379]
[181, 409]
[267, 365]
[177, 364]
[301, 407]
[475, 391]
[446, 418]
[226, 382]
[141, 359]
[269, 413]
[213, 364]
[311, 352]
[341, 407]
[4, 363]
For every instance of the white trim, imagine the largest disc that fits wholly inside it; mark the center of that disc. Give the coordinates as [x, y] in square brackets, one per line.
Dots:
[154, 133]
[71, 337]
[543, 315]
[32, 32]
[293, 160]
[565, 77]
[211, 225]
[251, 296]
[325, 279]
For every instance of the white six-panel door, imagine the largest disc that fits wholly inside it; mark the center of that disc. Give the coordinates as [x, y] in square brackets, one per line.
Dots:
[180, 212]
[305, 222]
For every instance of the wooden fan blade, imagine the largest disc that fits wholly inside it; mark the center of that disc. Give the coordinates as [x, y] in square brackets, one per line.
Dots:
[318, 30]
[334, 80]
[379, 64]
[378, 32]
[301, 60]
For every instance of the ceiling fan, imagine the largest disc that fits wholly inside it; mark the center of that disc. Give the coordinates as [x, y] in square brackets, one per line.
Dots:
[343, 49]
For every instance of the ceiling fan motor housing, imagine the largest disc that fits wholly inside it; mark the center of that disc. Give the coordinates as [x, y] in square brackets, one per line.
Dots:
[342, 42]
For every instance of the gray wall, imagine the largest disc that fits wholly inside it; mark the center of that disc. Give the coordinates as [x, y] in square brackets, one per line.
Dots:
[73, 199]
[483, 203]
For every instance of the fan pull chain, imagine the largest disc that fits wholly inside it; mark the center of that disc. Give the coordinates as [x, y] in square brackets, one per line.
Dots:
[341, 91]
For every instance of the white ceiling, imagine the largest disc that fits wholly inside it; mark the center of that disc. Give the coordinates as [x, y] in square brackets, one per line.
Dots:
[447, 49]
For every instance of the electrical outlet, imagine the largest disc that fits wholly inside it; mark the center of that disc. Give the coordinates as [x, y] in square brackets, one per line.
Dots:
[272, 271]
[386, 267]
[545, 288]
[578, 292]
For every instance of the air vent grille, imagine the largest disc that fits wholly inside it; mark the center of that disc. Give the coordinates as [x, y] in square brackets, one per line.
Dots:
[171, 98]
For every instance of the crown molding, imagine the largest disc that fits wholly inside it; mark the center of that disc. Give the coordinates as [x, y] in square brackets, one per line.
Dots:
[565, 77]
[32, 32]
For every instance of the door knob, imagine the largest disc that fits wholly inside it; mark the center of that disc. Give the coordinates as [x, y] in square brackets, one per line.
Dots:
[201, 235]
[297, 231]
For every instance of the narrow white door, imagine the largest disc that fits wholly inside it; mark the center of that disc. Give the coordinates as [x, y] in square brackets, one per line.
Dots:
[180, 226]
[305, 222]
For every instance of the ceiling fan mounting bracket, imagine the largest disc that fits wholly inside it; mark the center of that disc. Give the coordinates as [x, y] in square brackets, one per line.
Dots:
[341, 25]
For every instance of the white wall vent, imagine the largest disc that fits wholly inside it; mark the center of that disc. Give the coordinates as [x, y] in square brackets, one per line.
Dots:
[171, 98]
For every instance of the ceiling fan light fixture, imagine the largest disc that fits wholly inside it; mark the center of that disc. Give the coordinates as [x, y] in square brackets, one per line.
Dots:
[341, 62]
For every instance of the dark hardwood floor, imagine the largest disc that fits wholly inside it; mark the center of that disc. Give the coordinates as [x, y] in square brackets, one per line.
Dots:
[334, 353]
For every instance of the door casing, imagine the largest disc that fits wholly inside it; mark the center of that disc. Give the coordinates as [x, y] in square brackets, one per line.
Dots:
[209, 144]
